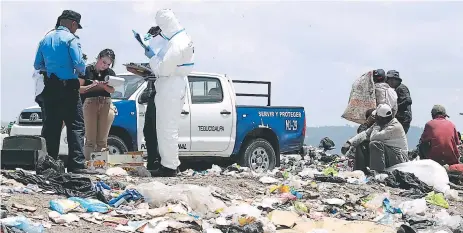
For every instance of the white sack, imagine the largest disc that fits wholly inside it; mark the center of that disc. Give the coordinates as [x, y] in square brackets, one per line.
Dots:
[171, 66]
[362, 97]
[428, 171]
[198, 198]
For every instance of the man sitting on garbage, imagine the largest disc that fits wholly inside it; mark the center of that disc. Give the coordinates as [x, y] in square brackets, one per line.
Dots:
[383, 92]
[362, 152]
[388, 144]
[439, 140]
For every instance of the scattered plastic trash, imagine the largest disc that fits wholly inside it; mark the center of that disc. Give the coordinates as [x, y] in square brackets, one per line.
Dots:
[330, 179]
[301, 196]
[62, 218]
[413, 207]
[335, 201]
[268, 180]
[24, 224]
[437, 199]
[91, 205]
[330, 171]
[301, 207]
[116, 171]
[444, 219]
[422, 168]
[127, 195]
[63, 206]
[198, 198]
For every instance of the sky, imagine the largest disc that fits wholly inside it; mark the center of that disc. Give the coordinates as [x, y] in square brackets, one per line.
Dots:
[310, 51]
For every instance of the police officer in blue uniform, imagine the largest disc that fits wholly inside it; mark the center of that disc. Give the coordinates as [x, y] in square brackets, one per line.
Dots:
[59, 55]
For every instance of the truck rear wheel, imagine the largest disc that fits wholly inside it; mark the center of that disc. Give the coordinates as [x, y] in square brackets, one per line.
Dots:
[258, 155]
[116, 145]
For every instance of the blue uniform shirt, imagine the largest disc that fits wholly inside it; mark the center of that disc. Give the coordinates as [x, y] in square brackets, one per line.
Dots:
[59, 53]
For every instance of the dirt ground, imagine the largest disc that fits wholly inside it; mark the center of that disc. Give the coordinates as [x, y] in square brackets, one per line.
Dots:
[247, 188]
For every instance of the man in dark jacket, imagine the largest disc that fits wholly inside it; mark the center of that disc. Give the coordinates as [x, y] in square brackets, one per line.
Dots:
[404, 101]
[439, 140]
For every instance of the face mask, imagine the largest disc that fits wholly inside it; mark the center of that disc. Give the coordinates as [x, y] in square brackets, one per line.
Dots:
[382, 121]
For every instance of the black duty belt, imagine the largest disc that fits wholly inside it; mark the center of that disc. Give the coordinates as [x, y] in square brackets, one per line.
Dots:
[54, 80]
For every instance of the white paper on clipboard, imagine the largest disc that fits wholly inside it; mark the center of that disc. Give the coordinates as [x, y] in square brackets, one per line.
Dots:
[114, 81]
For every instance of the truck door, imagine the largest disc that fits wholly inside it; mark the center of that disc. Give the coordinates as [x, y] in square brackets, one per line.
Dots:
[184, 142]
[211, 114]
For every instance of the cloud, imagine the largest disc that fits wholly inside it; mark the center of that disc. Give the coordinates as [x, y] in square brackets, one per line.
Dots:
[311, 51]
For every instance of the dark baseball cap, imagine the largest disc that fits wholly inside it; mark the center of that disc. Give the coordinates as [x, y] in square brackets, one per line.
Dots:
[393, 74]
[379, 75]
[439, 110]
[71, 15]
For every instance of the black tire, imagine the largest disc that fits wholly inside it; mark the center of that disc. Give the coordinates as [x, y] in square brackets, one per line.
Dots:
[253, 147]
[117, 144]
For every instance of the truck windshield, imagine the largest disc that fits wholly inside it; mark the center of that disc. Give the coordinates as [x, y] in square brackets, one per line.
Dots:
[131, 84]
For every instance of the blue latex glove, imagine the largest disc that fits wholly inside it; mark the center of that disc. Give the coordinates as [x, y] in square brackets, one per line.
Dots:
[129, 195]
[149, 52]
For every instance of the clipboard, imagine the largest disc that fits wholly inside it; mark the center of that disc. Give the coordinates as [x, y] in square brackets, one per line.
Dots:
[91, 86]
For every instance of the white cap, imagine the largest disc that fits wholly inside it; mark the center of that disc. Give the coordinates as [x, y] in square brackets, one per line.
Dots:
[383, 110]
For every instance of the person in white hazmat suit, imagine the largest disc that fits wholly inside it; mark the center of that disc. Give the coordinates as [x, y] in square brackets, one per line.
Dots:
[171, 56]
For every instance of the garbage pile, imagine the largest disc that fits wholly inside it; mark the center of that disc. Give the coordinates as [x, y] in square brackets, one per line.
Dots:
[314, 192]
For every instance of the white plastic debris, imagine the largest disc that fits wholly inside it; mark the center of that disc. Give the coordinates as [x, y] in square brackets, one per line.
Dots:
[422, 168]
[268, 202]
[381, 177]
[444, 219]
[198, 198]
[216, 170]
[335, 201]
[417, 206]
[268, 180]
[62, 218]
[116, 171]
[309, 172]
[240, 210]
[452, 195]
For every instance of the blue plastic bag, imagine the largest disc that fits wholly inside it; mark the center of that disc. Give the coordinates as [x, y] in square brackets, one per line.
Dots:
[91, 205]
[22, 223]
[63, 206]
[128, 195]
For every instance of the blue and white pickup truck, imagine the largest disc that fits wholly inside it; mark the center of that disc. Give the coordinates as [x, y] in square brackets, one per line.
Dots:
[212, 124]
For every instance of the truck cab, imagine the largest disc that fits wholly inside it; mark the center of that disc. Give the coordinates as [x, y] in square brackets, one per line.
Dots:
[212, 124]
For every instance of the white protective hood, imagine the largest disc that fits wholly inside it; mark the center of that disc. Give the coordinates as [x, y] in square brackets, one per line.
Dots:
[171, 66]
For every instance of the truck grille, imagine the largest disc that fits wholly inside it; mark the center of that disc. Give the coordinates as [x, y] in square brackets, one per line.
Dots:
[30, 118]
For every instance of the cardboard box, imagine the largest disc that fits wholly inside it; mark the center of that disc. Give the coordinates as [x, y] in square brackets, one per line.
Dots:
[128, 158]
[98, 160]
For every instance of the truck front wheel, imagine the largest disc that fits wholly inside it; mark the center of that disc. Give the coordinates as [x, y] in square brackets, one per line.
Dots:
[116, 145]
[258, 155]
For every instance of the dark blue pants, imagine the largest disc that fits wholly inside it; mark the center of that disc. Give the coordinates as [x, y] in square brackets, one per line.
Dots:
[149, 131]
[61, 102]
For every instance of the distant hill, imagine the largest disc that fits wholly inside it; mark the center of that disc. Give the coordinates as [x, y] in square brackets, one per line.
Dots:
[340, 134]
